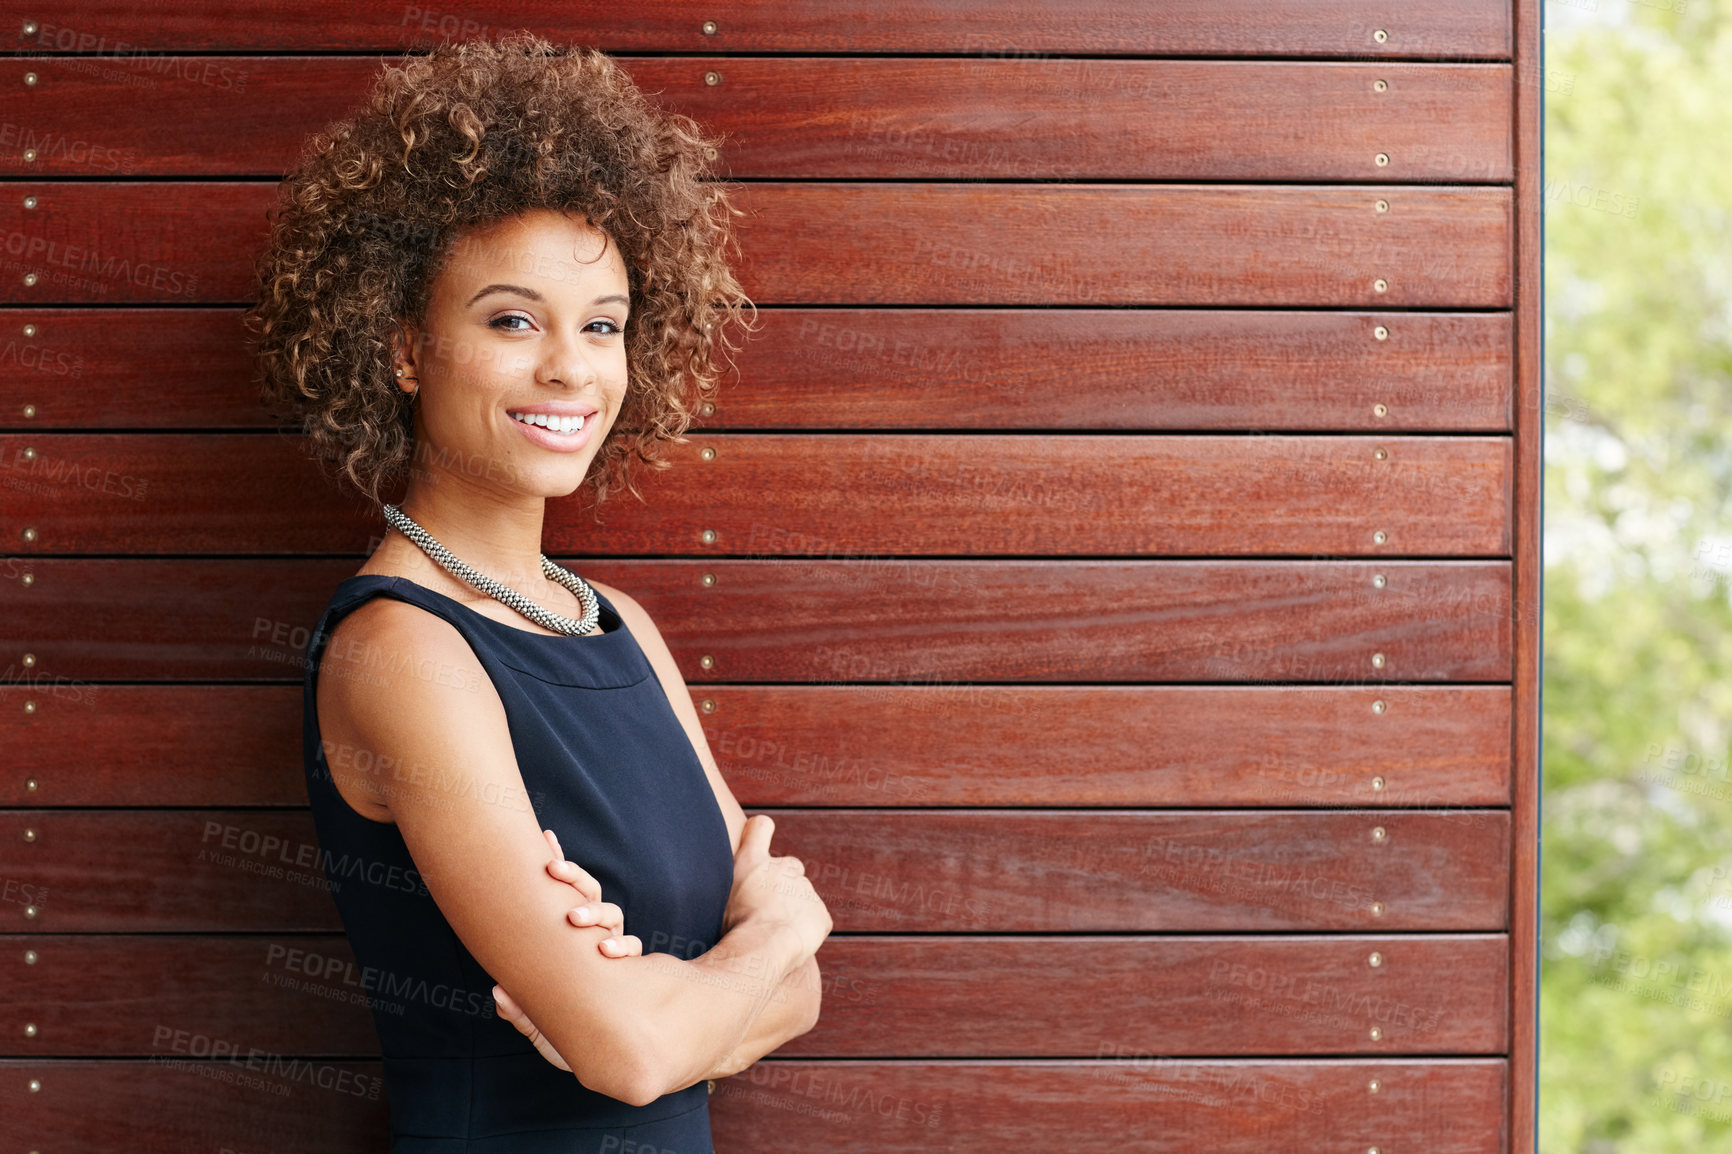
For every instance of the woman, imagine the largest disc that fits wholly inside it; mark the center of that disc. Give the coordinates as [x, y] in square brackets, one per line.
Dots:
[503, 280]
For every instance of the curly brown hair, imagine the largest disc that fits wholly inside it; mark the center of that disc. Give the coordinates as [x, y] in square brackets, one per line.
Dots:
[465, 136]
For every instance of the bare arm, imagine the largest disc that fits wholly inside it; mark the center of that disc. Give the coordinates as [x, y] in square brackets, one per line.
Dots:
[791, 1011]
[640, 1027]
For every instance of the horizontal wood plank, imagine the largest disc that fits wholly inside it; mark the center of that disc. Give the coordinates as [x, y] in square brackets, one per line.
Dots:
[820, 745]
[977, 871]
[812, 495]
[105, 995]
[1141, 369]
[983, 118]
[922, 622]
[106, 242]
[1465, 29]
[1140, 1102]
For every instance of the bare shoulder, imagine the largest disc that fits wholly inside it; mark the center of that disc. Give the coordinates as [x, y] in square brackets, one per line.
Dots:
[389, 666]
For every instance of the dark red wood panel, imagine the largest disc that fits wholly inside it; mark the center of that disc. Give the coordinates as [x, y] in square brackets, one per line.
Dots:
[849, 118]
[1121, 369]
[901, 620]
[909, 745]
[1226, 245]
[878, 870]
[1457, 29]
[813, 495]
[1147, 1102]
[1218, 996]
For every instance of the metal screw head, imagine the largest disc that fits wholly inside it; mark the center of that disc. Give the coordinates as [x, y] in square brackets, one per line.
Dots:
[1380, 333]
[1380, 285]
[1380, 36]
[29, 453]
[708, 409]
[1377, 1033]
[1380, 410]
[710, 154]
[30, 784]
[29, 411]
[1380, 86]
[30, 706]
[1382, 160]
[1372, 1150]
[29, 279]
[1383, 206]
[30, 79]
[1377, 784]
[1381, 454]
[29, 534]
[708, 705]
[30, 957]
[27, 580]
[707, 662]
[1376, 909]
[29, 911]
[1377, 661]
[1380, 536]
[708, 454]
[709, 27]
[30, 202]
[1378, 706]
[707, 580]
[1375, 960]
[1378, 581]
[29, 660]
[29, 156]
[35, 1085]
[29, 1029]
[29, 835]
[708, 536]
[1375, 1086]
[712, 78]
[29, 330]
[1379, 834]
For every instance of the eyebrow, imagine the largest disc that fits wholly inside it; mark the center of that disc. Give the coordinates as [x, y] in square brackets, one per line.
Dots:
[612, 298]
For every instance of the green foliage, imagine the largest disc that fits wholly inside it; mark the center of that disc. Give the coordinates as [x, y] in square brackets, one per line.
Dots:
[1636, 887]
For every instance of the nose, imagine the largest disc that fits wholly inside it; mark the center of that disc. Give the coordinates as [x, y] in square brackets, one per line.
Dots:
[563, 360]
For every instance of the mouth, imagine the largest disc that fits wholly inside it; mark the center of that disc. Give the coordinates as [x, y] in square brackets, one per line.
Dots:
[563, 424]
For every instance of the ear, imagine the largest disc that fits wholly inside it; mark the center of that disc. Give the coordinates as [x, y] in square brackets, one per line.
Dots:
[403, 339]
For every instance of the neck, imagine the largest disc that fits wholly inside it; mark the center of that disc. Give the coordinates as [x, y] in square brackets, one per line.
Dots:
[497, 534]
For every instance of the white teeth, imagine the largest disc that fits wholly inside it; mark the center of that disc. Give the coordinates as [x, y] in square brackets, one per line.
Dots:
[552, 424]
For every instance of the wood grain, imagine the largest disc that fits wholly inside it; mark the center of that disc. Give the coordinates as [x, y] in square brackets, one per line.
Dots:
[809, 495]
[980, 118]
[1457, 29]
[879, 368]
[105, 995]
[110, 242]
[879, 870]
[1148, 1103]
[885, 620]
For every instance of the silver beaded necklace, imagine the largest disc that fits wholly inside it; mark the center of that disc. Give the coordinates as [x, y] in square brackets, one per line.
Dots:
[559, 624]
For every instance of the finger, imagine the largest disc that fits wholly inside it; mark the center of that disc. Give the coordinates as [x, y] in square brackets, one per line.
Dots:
[756, 838]
[604, 914]
[553, 839]
[575, 875]
[508, 1009]
[794, 866]
[623, 946]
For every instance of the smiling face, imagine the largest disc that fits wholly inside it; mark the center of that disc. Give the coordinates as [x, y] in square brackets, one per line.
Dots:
[520, 358]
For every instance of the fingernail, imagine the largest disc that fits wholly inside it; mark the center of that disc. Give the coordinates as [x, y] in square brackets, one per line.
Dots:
[583, 912]
[615, 943]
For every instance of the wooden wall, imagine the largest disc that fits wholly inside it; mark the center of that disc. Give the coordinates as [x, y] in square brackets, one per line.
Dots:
[1116, 567]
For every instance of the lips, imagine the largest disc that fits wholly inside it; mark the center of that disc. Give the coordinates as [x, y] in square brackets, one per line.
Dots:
[553, 422]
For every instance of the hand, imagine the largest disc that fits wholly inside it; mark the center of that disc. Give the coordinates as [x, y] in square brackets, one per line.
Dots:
[776, 888]
[594, 912]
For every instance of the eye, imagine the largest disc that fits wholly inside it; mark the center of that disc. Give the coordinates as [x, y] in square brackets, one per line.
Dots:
[495, 323]
[611, 327]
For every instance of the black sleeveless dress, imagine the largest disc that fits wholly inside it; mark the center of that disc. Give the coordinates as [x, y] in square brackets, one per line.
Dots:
[607, 767]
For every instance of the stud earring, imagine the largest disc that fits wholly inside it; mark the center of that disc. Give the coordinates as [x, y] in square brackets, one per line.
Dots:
[399, 372]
